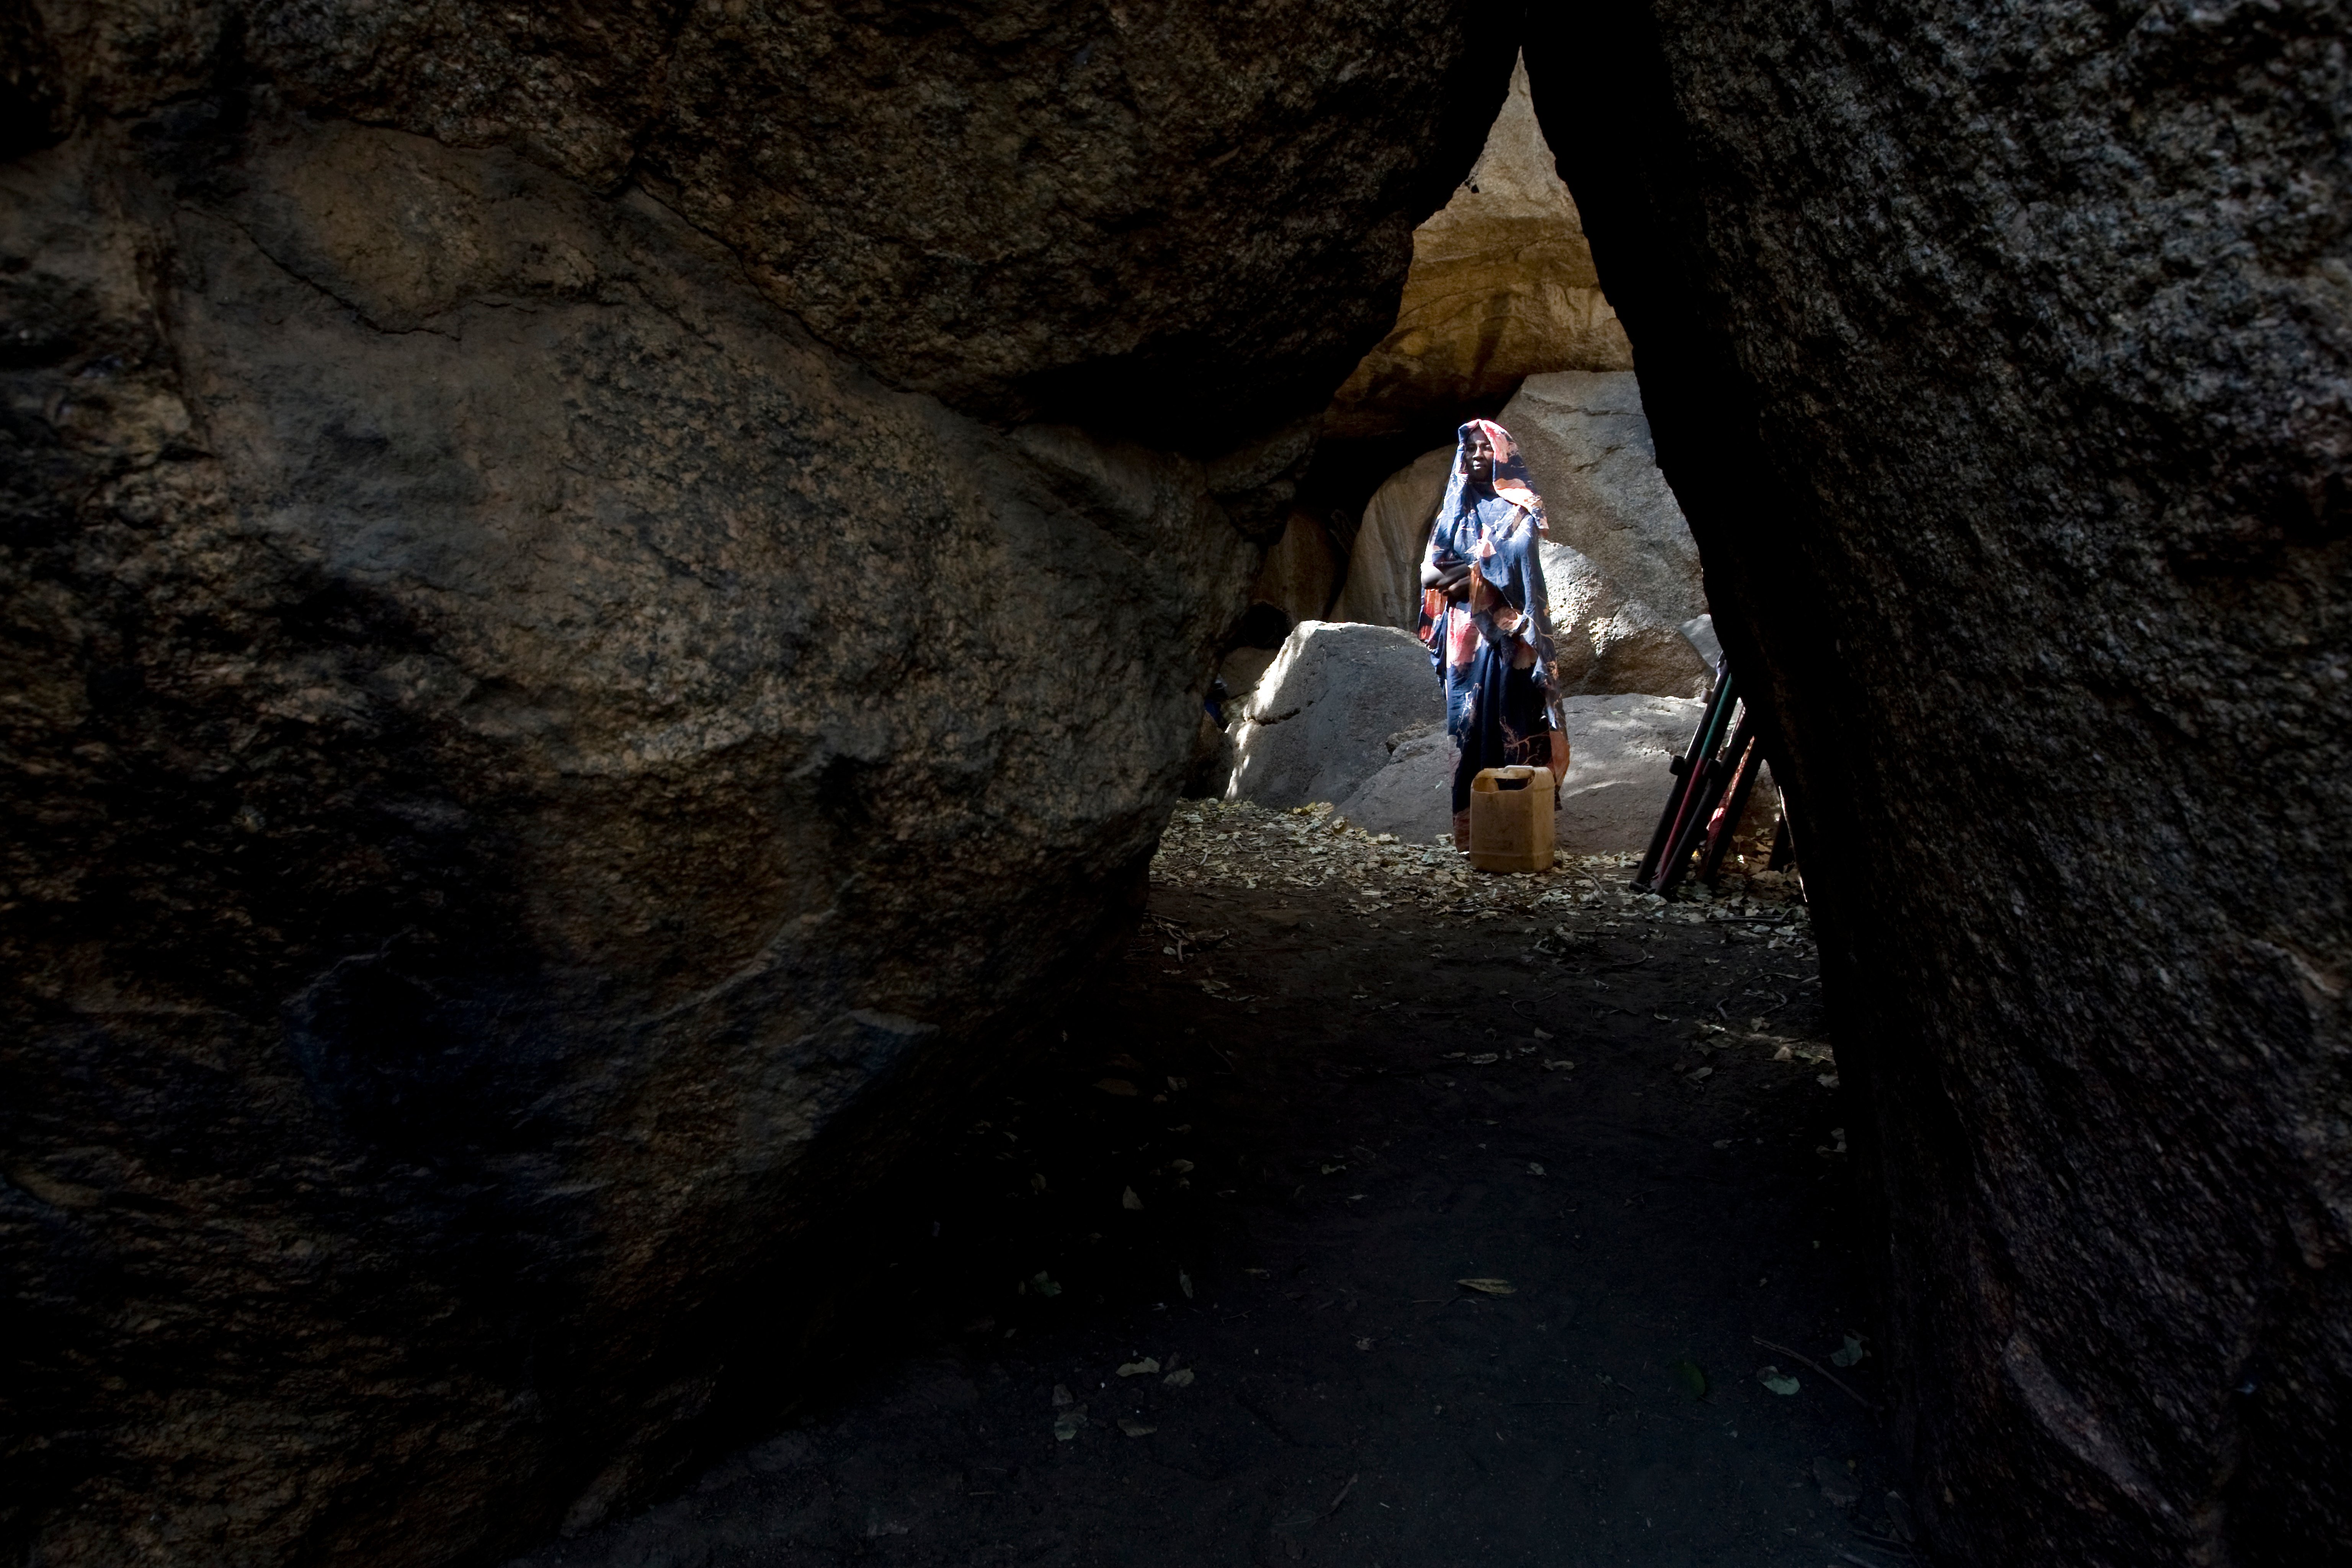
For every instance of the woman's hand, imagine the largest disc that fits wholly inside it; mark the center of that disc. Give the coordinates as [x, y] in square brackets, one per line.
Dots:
[1452, 574]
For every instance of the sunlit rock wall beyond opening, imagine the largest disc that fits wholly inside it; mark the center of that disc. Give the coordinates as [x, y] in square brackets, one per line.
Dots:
[1502, 288]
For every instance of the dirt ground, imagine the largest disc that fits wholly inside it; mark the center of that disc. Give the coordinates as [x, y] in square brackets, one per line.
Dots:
[1373, 1212]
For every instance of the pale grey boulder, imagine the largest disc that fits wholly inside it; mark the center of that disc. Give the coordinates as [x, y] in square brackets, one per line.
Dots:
[1412, 795]
[1588, 449]
[1619, 771]
[1383, 581]
[1604, 641]
[1320, 721]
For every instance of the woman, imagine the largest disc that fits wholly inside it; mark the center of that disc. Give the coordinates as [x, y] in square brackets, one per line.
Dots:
[1486, 618]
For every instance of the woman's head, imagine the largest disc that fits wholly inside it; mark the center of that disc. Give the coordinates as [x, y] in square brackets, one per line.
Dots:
[1486, 460]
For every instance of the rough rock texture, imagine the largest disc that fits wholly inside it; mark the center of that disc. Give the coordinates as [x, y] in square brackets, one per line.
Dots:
[1502, 286]
[1320, 721]
[1412, 795]
[1383, 584]
[482, 680]
[966, 200]
[1588, 451]
[1607, 642]
[1619, 750]
[1999, 355]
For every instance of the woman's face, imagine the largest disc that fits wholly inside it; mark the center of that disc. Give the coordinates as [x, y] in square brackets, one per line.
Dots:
[1480, 459]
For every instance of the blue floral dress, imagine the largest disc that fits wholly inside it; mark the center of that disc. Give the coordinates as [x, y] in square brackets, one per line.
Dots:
[1493, 649]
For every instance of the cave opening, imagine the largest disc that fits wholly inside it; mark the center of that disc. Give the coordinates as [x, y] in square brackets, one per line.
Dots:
[616, 855]
[1508, 1189]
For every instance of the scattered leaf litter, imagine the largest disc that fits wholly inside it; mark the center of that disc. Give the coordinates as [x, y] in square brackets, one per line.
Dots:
[1236, 844]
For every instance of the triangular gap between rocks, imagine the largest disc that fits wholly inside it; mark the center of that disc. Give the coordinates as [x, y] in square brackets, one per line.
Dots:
[1322, 692]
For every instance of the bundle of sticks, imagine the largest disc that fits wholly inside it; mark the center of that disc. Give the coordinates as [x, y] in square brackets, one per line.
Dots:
[1712, 780]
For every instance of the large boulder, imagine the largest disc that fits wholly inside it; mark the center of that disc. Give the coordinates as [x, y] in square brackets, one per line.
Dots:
[1607, 642]
[1318, 723]
[1129, 219]
[1383, 584]
[533, 776]
[1588, 449]
[1998, 354]
[1502, 286]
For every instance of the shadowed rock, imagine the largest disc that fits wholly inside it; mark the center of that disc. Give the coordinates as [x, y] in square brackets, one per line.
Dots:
[1997, 354]
[1298, 575]
[1383, 585]
[534, 775]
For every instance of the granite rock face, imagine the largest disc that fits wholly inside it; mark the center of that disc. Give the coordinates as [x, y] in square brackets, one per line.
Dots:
[1604, 641]
[1318, 721]
[1588, 451]
[1383, 585]
[1998, 356]
[1502, 286]
[1300, 572]
[965, 201]
[483, 674]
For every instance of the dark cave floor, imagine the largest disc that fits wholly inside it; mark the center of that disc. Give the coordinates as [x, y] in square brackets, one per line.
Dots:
[1321, 1153]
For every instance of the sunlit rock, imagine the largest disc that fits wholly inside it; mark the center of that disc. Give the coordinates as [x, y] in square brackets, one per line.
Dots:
[1318, 722]
[1588, 449]
[1502, 286]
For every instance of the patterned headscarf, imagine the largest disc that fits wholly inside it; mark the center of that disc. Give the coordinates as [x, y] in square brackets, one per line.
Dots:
[1510, 474]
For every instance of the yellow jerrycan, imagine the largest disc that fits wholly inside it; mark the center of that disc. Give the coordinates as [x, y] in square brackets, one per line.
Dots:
[1510, 819]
